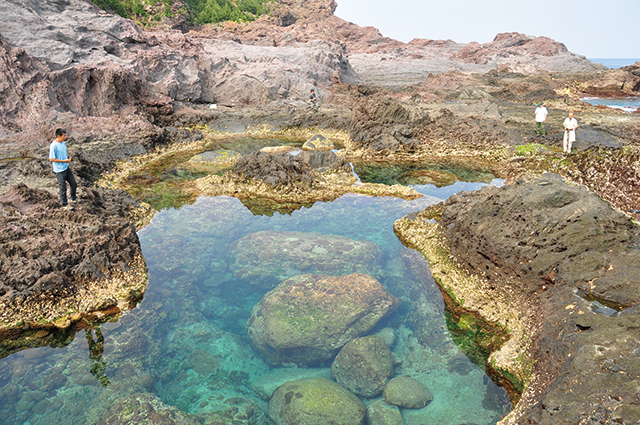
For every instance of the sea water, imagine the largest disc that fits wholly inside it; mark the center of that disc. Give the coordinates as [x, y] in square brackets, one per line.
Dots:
[614, 63]
[186, 343]
[627, 104]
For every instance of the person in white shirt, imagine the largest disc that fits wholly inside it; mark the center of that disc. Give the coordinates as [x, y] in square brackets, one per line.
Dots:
[570, 125]
[541, 117]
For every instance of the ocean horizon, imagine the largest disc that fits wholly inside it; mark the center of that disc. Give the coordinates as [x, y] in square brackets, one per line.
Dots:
[615, 63]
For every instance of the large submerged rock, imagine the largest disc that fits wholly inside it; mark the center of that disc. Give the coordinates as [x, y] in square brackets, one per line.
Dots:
[266, 258]
[308, 318]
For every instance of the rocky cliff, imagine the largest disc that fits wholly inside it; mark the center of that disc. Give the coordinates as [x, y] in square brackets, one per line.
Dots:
[64, 59]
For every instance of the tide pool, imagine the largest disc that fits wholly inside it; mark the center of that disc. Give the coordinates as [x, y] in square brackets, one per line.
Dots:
[185, 345]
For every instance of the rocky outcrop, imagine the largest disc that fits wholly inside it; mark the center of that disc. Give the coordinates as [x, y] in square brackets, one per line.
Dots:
[266, 258]
[273, 169]
[384, 125]
[542, 258]
[315, 402]
[308, 318]
[69, 265]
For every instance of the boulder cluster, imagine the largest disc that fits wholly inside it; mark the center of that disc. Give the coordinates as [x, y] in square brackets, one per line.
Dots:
[324, 314]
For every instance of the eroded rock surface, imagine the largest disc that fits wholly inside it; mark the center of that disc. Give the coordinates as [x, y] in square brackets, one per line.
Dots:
[82, 261]
[308, 318]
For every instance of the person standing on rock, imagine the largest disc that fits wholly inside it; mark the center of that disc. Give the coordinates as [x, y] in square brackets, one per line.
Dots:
[541, 117]
[313, 99]
[570, 125]
[60, 160]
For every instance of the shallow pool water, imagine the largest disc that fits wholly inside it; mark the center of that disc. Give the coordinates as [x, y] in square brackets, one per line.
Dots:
[186, 342]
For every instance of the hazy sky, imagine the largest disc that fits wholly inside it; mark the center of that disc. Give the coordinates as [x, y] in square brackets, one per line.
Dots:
[594, 28]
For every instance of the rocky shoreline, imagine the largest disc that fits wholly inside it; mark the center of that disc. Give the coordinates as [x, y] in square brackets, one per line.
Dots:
[129, 97]
[532, 258]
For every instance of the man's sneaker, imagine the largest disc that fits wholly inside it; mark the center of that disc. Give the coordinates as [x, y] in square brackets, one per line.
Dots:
[75, 201]
[68, 208]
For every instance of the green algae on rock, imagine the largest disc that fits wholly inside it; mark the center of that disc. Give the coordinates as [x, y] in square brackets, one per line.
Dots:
[363, 366]
[308, 318]
[408, 392]
[381, 413]
[315, 401]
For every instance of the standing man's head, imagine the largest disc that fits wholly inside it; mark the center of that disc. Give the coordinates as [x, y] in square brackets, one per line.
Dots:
[313, 91]
[61, 135]
[570, 114]
[539, 104]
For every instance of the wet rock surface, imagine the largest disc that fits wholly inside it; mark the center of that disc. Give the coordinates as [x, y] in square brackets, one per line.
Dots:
[558, 254]
[363, 366]
[255, 257]
[308, 318]
[315, 402]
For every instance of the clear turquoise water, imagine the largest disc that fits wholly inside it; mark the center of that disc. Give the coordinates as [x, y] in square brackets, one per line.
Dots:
[186, 342]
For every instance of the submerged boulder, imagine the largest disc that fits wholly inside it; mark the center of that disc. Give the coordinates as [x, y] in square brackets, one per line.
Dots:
[266, 258]
[316, 401]
[405, 391]
[364, 366]
[381, 413]
[308, 318]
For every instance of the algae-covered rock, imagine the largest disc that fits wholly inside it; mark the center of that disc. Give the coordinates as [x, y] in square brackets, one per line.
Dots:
[308, 318]
[316, 401]
[266, 258]
[265, 385]
[381, 413]
[218, 157]
[364, 366]
[405, 391]
[318, 143]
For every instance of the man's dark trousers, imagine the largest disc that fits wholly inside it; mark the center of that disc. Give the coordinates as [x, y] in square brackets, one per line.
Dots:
[64, 177]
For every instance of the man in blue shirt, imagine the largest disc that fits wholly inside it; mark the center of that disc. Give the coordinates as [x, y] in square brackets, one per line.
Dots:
[60, 161]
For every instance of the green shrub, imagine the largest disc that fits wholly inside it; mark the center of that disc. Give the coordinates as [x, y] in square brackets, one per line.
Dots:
[200, 11]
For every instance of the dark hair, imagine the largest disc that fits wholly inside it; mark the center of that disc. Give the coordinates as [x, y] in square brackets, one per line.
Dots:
[60, 132]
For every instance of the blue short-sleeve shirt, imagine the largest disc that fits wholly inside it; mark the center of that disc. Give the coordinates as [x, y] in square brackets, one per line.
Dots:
[58, 151]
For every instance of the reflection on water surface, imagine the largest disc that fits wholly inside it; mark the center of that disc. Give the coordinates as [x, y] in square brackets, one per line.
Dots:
[186, 343]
